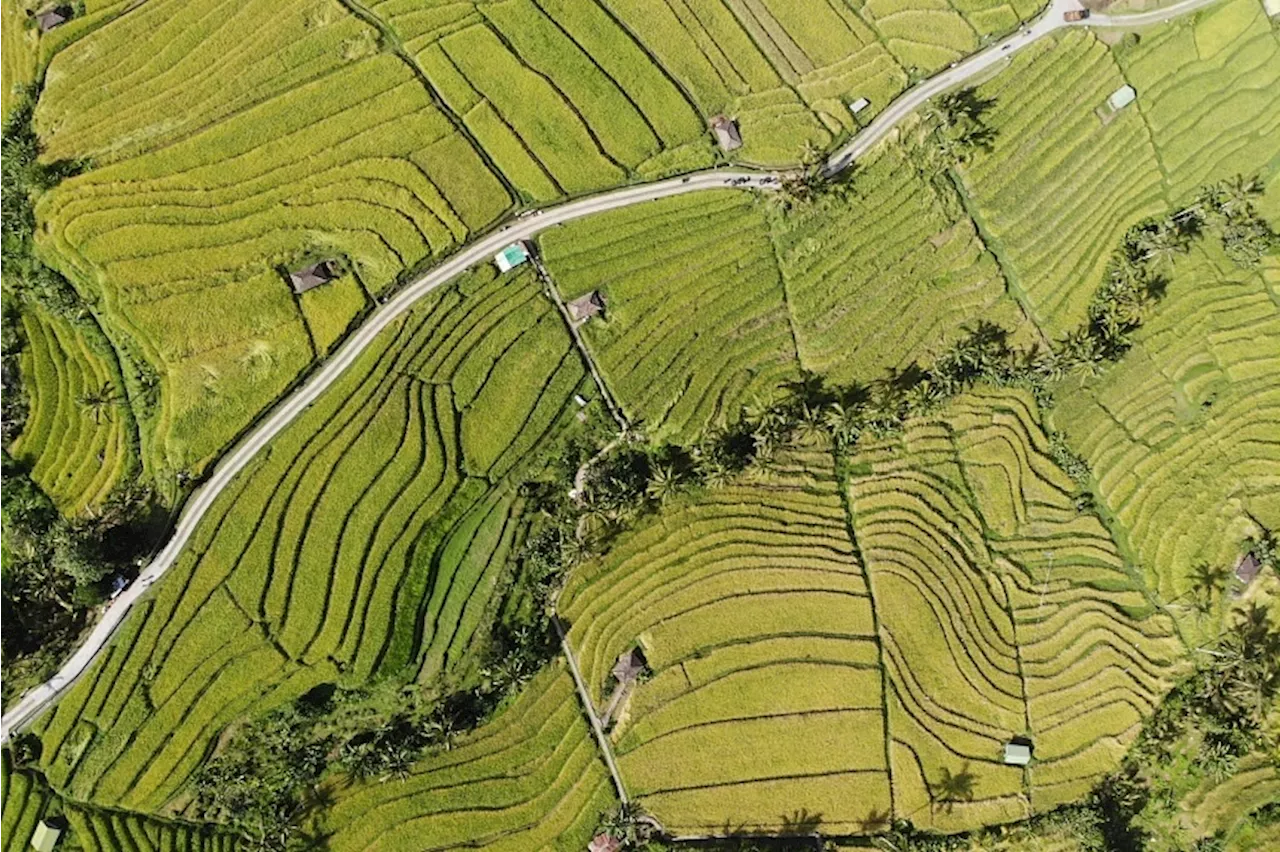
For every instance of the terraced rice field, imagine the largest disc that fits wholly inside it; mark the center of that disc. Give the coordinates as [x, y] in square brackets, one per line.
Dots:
[530, 779]
[764, 708]
[1181, 435]
[27, 800]
[76, 452]
[1062, 186]
[20, 48]
[181, 232]
[888, 278]
[1037, 627]
[695, 323]
[1209, 90]
[371, 542]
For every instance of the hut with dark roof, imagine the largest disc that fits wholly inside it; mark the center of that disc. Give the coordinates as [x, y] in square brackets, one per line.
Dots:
[1248, 568]
[586, 306]
[726, 133]
[54, 16]
[313, 276]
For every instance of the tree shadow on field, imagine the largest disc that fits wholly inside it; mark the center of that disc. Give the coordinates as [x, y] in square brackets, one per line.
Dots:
[953, 787]
[875, 822]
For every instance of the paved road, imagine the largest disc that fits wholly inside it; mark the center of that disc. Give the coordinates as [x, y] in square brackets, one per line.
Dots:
[31, 704]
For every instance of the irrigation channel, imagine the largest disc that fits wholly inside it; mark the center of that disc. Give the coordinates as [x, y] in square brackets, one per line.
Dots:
[527, 225]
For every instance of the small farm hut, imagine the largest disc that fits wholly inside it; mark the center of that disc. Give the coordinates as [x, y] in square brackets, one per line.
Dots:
[586, 306]
[511, 256]
[54, 16]
[1247, 568]
[604, 843]
[313, 276]
[46, 836]
[1121, 98]
[726, 132]
[629, 665]
[859, 105]
[1017, 752]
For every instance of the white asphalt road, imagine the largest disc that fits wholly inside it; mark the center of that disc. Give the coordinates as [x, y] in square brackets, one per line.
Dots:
[37, 699]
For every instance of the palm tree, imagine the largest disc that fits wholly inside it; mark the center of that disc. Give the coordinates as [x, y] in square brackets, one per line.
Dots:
[98, 401]
[1237, 193]
[663, 484]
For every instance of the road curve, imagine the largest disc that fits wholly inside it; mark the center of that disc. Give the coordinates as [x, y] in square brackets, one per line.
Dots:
[38, 698]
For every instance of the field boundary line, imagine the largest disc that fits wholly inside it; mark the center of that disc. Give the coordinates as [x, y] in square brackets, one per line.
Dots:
[614, 407]
[601, 740]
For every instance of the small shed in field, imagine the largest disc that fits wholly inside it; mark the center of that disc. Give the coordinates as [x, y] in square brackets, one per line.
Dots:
[310, 277]
[726, 133]
[859, 105]
[1122, 97]
[604, 843]
[586, 306]
[511, 256]
[46, 836]
[54, 16]
[629, 665]
[1248, 568]
[1017, 752]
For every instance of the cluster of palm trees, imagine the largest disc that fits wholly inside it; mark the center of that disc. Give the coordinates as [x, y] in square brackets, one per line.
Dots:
[954, 129]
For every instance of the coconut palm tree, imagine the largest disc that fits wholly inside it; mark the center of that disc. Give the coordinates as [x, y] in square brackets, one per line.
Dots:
[1207, 581]
[99, 401]
[664, 483]
[1236, 193]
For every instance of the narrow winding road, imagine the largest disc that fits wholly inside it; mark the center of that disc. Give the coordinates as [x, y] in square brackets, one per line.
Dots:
[39, 698]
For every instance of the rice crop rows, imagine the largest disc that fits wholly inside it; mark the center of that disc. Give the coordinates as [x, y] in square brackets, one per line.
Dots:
[764, 708]
[27, 800]
[370, 543]
[1061, 186]
[530, 779]
[19, 53]
[182, 245]
[1181, 436]
[889, 278]
[1209, 89]
[78, 438]
[1003, 611]
[695, 323]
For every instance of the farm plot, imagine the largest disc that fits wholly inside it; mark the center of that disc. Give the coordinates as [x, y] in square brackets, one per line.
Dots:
[1209, 88]
[19, 46]
[889, 278]
[27, 800]
[171, 68]
[1033, 625]
[1181, 434]
[764, 708]
[531, 778]
[695, 323]
[372, 542]
[563, 95]
[183, 245]
[1061, 186]
[79, 435]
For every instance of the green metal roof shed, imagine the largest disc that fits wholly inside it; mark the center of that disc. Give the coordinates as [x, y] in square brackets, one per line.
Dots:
[46, 837]
[511, 257]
